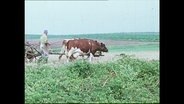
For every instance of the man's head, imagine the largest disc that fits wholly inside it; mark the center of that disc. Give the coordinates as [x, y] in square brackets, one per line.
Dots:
[45, 32]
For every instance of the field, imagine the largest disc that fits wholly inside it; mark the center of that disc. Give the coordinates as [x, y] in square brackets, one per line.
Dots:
[145, 36]
[112, 78]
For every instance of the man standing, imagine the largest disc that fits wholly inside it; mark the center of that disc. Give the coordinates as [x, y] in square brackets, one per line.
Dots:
[44, 46]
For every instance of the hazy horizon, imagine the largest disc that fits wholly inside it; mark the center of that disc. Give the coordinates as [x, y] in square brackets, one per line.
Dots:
[102, 33]
[91, 17]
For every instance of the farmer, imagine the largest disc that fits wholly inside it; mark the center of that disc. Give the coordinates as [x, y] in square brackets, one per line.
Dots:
[44, 46]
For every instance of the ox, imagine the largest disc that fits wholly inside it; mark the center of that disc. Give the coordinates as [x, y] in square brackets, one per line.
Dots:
[80, 47]
[64, 44]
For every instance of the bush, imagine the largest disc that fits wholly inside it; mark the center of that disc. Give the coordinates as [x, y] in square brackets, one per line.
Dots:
[82, 68]
[126, 80]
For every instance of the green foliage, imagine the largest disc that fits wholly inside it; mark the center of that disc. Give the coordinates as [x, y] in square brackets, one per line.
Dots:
[120, 48]
[141, 36]
[82, 68]
[127, 80]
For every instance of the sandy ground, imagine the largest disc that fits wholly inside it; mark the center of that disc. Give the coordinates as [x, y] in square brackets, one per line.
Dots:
[145, 55]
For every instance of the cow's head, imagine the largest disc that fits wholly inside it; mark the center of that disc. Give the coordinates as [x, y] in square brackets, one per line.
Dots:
[103, 47]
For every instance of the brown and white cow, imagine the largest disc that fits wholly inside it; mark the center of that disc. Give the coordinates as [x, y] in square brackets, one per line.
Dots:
[81, 47]
[63, 49]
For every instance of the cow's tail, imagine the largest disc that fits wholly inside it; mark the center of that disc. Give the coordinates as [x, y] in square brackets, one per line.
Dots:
[63, 46]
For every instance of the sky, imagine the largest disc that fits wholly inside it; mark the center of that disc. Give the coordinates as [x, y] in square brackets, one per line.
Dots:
[83, 17]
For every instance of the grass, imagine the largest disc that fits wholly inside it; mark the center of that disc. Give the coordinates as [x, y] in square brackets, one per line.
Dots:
[135, 48]
[140, 36]
[127, 80]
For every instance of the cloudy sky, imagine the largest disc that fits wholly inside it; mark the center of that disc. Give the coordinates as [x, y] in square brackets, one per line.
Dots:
[80, 17]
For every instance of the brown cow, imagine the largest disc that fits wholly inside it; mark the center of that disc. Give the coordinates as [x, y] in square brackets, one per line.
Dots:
[63, 49]
[77, 47]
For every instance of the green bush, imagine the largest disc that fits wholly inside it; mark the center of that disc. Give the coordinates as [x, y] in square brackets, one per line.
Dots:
[82, 68]
[127, 80]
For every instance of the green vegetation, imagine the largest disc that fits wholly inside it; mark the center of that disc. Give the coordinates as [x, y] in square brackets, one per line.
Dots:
[121, 48]
[127, 80]
[140, 36]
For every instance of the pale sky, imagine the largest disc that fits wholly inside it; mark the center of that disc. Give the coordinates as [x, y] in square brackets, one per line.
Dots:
[82, 17]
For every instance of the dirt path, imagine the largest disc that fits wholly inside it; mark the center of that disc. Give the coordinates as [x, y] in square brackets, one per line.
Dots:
[146, 55]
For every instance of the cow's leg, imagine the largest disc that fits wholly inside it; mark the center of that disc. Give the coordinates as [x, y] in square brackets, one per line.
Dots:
[100, 53]
[70, 54]
[67, 56]
[67, 60]
[72, 58]
[82, 56]
[77, 54]
[91, 57]
[60, 56]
